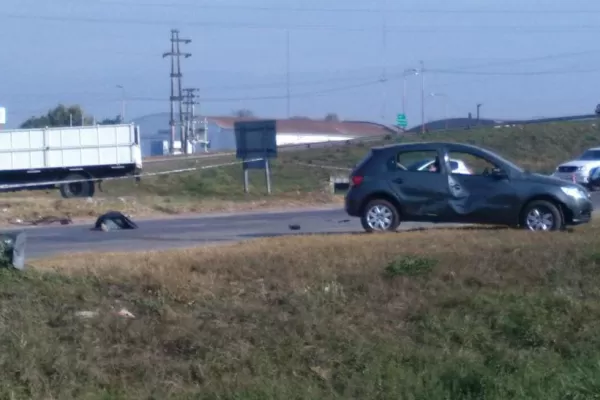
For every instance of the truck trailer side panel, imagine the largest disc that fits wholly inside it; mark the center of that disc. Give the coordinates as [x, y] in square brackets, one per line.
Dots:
[67, 147]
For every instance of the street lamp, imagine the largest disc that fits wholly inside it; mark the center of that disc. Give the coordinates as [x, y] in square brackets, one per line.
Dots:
[122, 102]
[445, 97]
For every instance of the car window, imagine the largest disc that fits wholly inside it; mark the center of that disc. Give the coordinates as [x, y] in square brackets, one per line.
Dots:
[419, 164]
[473, 165]
[417, 161]
[590, 155]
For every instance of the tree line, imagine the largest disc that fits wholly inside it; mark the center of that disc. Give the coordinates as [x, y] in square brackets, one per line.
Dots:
[63, 115]
[74, 115]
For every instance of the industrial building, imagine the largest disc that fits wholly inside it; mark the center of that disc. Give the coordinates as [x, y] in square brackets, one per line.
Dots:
[220, 132]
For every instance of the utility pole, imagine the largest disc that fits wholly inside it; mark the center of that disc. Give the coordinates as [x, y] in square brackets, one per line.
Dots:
[122, 102]
[288, 73]
[176, 92]
[190, 116]
[407, 72]
[384, 78]
[478, 111]
[423, 128]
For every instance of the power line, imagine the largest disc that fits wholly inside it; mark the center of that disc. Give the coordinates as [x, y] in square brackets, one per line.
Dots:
[373, 83]
[231, 25]
[531, 59]
[527, 73]
[246, 7]
[459, 70]
[273, 97]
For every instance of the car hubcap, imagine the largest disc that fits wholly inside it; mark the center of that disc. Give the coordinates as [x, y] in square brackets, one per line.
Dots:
[76, 188]
[380, 218]
[539, 219]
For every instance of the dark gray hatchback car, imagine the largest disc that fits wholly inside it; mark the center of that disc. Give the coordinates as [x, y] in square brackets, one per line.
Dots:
[386, 189]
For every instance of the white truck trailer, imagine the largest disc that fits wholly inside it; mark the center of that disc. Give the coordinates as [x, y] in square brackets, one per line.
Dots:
[43, 158]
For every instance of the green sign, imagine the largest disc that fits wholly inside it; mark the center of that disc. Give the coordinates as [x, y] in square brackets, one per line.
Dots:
[401, 121]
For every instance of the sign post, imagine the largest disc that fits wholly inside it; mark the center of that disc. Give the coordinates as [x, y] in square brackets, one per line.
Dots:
[401, 121]
[256, 144]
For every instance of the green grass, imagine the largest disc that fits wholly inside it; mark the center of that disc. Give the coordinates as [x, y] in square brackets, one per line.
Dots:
[447, 314]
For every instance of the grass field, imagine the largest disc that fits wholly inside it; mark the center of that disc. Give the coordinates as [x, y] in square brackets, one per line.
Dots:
[447, 314]
[537, 147]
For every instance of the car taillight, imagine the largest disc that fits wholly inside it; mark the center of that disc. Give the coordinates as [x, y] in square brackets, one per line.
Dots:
[356, 180]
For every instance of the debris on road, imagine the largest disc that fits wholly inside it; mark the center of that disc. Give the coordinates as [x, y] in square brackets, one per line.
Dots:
[86, 314]
[114, 221]
[342, 221]
[93, 314]
[46, 220]
[125, 313]
[294, 227]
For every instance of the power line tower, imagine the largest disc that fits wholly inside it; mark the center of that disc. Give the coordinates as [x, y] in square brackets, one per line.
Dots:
[190, 115]
[176, 93]
[192, 131]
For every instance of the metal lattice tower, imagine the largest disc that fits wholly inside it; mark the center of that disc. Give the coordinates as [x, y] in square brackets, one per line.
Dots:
[176, 92]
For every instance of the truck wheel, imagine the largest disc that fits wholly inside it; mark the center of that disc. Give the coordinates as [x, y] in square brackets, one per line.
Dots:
[542, 215]
[380, 216]
[77, 189]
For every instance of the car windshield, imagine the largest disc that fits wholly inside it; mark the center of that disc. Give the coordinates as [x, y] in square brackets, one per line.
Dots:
[590, 155]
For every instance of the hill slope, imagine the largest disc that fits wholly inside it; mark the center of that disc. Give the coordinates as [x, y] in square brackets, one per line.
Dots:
[298, 178]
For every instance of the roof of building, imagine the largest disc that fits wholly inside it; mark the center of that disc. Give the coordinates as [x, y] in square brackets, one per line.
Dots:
[294, 125]
[306, 125]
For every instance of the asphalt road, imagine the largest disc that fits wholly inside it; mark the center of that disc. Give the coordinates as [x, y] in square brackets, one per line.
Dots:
[190, 232]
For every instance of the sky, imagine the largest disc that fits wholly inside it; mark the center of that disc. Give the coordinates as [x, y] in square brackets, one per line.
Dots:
[518, 58]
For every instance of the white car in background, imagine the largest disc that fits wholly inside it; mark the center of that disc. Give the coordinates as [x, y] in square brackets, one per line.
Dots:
[458, 166]
[578, 170]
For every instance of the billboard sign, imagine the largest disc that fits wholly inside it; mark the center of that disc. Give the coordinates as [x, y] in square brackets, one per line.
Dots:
[256, 139]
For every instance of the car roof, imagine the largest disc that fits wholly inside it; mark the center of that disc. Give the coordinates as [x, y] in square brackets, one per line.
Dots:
[418, 145]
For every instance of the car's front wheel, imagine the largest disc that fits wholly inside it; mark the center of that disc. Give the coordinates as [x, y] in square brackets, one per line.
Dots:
[380, 216]
[542, 215]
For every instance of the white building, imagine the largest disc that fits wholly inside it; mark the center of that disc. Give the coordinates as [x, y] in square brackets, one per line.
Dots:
[221, 134]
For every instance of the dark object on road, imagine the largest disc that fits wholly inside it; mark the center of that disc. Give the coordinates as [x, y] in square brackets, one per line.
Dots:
[385, 192]
[294, 227]
[44, 221]
[114, 221]
[12, 250]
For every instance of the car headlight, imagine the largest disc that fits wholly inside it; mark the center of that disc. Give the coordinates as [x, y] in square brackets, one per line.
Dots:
[574, 192]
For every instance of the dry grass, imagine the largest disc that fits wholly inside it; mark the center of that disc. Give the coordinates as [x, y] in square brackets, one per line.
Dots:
[467, 314]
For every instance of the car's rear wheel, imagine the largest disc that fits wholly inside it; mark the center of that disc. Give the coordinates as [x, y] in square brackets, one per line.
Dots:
[542, 215]
[380, 216]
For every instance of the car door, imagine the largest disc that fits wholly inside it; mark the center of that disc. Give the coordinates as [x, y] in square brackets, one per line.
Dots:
[485, 196]
[423, 194]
